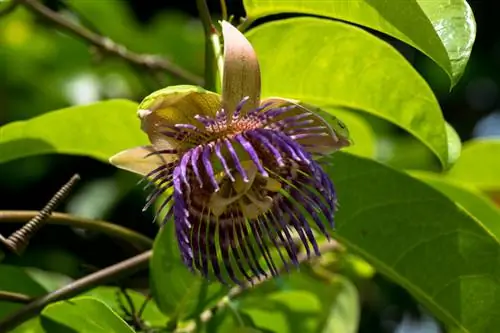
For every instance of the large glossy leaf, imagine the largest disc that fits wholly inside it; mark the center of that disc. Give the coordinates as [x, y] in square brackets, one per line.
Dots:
[426, 27]
[454, 22]
[178, 292]
[82, 314]
[284, 311]
[471, 199]
[98, 130]
[421, 239]
[330, 63]
[479, 165]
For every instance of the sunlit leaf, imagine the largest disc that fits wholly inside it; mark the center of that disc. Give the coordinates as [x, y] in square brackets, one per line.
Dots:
[420, 239]
[82, 314]
[479, 164]
[324, 62]
[285, 311]
[454, 22]
[344, 311]
[451, 23]
[97, 130]
[50, 281]
[454, 144]
[470, 198]
[293, 303]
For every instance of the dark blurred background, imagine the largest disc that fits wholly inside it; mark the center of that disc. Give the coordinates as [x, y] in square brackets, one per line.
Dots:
[42, 69]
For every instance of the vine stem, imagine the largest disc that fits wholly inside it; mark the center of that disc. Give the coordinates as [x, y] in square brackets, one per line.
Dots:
[105, 44]
[211, 34]
[9, 296]
[108, 274]
[140, 241]
[19, 240]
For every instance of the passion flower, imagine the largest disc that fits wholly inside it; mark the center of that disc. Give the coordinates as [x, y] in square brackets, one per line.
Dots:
[239, 176]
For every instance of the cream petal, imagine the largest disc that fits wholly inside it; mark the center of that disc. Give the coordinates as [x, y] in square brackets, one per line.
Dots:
[137, 160]
[241, 73]
[333, 137]
[175, 105]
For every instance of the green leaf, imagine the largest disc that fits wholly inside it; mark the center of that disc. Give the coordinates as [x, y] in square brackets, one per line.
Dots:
[421, 239]
[447, 38]
[476, 203]
[109, 296]
[454, 22]
[347, 67]
[344, 311]
[97, 130]
[478, 165]
[285, 311]
[82, 314]
[30, 326]
[293, 303]
[50, 281]
[454, 144]
[178, 292]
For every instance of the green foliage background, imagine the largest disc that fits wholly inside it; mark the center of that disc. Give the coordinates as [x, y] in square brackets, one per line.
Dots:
[418, 213]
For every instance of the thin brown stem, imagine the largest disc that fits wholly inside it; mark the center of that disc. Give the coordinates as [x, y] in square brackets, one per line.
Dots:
[9, 296]
[111, 273]
[108, 46]
[140, 241]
